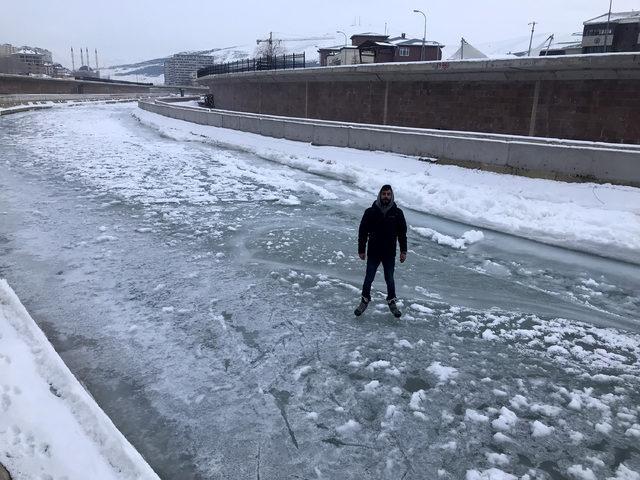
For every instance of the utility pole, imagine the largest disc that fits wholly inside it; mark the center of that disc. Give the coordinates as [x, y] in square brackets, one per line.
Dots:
[546, 52]
[424, 36]
[73, 61]
[462, 49]
[606, 35]
[533, 28]
[345, 36]
[270, 42]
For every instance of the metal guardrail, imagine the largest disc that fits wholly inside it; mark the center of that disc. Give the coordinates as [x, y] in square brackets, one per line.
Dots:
[275, 62]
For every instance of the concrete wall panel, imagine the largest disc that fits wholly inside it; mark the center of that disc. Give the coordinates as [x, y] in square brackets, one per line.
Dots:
[329, 135]
[231, 121]
[272, 127]
[368, 139]
[618, 167]
[491, 152]
[418, 145]
[302, 132]
[249, 124]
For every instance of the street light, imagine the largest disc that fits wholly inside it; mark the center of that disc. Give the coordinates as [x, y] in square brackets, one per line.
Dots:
[533, 28]
[606, 32]
[424, 36]
[345, 36]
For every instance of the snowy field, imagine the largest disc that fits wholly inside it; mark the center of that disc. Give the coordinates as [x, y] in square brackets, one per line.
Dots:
[201, 284]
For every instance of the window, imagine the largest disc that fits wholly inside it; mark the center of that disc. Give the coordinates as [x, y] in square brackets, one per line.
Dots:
[404, 52]
[598, 30]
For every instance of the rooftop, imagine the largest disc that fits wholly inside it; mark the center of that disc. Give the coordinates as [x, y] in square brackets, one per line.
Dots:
[406, 42]
[337, 47]
[616, 17]
[369, 34]
[26, 51]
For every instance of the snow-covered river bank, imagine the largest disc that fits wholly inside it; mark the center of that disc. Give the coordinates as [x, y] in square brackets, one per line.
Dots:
[204, 296]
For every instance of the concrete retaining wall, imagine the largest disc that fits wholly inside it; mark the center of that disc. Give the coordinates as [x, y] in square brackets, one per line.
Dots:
[21, 84]
[7, 101]
[582, 97]
[545, 158]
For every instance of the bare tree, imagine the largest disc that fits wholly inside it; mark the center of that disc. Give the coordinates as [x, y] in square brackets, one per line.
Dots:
[270, 47]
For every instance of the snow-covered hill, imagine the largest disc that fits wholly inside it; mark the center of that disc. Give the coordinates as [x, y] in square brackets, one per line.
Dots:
[153, 70]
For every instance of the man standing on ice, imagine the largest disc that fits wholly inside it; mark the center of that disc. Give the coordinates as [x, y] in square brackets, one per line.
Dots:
[383, 226]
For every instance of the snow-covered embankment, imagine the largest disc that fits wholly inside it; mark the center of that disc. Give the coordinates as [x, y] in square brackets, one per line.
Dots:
[598, 219]
[50, 427]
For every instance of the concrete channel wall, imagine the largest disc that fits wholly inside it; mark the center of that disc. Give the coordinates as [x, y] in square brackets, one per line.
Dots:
[536, 157]
[579, 97]
[16, 103]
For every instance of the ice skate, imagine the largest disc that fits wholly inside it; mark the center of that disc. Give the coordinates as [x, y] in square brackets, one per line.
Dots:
[364, 303]
[394, 308]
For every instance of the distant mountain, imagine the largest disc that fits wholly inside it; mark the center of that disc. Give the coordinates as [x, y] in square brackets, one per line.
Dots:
[153, 70]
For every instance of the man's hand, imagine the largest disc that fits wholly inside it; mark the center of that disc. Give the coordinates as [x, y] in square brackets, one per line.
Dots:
[403, 256]
[361, 255]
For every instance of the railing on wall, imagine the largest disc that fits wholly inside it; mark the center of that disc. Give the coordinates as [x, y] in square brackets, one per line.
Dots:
[110, 80]
[274, 62]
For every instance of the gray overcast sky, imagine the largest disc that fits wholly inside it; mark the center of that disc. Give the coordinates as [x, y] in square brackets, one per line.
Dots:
[134, 30]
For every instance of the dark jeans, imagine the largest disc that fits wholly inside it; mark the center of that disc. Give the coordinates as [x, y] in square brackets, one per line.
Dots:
[372, 266]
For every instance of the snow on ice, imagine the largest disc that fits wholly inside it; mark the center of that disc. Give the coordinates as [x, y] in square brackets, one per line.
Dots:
[601, 219]
[481, 377]
[73, 439]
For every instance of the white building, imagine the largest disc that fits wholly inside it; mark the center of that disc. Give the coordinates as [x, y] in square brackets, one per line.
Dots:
[7, 49]
[181, 68]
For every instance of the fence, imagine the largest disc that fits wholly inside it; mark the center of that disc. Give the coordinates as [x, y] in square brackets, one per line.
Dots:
[275, 62]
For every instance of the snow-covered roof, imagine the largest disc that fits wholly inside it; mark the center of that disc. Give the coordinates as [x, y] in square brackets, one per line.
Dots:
[369, 34]
[616, 17]
[416, 42]
[26, 51]
[337, 47]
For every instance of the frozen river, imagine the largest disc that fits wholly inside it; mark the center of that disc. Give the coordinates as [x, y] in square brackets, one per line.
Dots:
[204, 296]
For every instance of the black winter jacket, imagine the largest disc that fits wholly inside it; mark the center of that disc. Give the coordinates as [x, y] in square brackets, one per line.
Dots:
[382, 232]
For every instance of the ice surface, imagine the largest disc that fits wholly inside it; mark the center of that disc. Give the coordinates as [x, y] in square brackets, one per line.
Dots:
[584, 217]
[216, 327]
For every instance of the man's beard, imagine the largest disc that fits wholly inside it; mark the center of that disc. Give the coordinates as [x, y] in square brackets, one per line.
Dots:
[385, 201]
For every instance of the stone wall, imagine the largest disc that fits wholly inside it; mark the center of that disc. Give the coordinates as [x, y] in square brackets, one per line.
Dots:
[576, 98]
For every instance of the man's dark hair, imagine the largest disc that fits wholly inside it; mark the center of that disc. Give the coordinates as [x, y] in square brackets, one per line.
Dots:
[385, 188]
